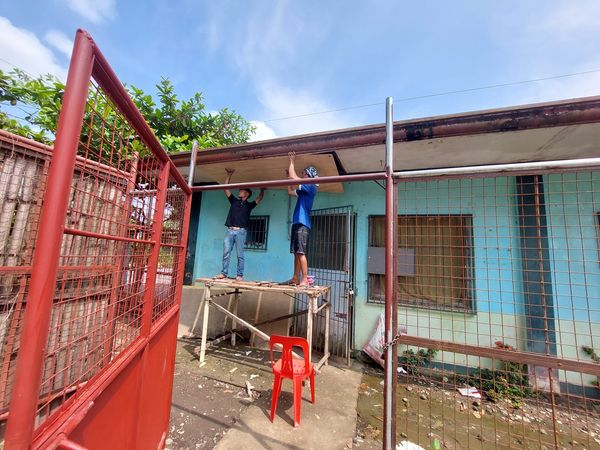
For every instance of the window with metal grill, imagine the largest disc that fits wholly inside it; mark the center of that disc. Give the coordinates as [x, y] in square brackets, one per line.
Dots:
[257, 233]
[435, 262]
[328, 242]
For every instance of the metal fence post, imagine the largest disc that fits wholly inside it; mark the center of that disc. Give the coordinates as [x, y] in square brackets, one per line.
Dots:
[389, 400]
[36, 320]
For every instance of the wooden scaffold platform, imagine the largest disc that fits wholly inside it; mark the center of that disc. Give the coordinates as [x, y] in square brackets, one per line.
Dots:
[235, 288]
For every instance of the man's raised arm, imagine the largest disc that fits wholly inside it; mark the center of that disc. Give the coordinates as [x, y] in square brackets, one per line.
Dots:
[227, 180]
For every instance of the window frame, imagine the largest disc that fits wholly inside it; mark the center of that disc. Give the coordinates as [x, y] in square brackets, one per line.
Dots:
[263, 248]
[469, 303]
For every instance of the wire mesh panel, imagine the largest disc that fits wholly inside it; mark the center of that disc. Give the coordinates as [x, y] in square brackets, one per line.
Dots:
[117, 268]
[331, 261]
[103, 271]
[169, 270]
[499, 293]
[23, 168]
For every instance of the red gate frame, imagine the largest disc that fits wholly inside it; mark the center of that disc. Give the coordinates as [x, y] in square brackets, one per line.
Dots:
[138, 383]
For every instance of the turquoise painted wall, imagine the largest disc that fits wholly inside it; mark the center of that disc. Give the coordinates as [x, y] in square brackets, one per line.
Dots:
[274, 264]
[495, 234]
[572, 202]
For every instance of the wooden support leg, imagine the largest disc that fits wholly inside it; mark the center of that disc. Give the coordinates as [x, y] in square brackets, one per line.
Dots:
[327, 314]
[309, 325]
[207, 301]
[200, 305]
[256, 315]
[236, 300]
[228, 309]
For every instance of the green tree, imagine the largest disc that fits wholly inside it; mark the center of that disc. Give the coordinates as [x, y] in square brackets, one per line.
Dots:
[176, 123]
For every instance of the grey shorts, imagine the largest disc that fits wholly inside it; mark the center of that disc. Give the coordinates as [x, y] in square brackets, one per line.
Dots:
[299, 239]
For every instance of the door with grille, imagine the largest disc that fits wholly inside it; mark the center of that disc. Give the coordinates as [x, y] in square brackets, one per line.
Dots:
[331, 261]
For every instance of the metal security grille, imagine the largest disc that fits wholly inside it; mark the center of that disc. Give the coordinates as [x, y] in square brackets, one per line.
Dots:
[435, 270]
[95, 268]
[23, 169]
[520, 369]
[331, 261]
[257, 233]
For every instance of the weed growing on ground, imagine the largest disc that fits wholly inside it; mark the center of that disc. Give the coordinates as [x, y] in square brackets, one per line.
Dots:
[508, 381]
[592, 354]
[411, 360]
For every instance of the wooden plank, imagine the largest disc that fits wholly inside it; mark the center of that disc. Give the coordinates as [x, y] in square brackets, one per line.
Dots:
[253, 286]
[256, 313]
[233, 317]
[323, 360]
[277, 319]
[207, 302]
[265, 169]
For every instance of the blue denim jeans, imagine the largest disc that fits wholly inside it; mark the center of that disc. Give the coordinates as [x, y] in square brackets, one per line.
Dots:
[237, 238]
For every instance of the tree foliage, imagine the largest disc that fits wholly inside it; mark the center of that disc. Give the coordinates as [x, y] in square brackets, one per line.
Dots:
[176, 123]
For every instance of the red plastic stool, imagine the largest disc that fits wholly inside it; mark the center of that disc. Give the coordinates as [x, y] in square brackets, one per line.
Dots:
[293, 368]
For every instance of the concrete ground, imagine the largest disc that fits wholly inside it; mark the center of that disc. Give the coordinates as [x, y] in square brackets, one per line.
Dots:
[214, 408]
[329, 423]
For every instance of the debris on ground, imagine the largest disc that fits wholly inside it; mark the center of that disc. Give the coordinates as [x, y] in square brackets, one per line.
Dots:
[407, 445]
[469, 392]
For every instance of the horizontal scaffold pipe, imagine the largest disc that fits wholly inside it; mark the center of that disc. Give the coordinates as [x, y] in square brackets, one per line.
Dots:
[291, 182]
[499, 169]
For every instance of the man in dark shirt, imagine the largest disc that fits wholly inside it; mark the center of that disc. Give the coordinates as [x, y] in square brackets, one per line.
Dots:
[237, 223]
[306, 194]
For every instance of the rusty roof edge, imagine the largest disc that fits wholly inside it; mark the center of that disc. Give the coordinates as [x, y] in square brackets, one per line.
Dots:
[526, 117]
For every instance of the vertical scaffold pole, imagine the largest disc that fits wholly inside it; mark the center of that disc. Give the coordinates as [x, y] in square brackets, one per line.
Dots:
[389, 401]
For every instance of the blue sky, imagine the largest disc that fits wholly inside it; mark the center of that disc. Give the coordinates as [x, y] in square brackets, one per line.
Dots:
[275, 59]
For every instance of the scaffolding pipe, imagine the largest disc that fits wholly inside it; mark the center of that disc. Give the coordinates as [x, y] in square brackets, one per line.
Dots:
[290, 182]
[193, 164]
[512, 168]
[389, 401]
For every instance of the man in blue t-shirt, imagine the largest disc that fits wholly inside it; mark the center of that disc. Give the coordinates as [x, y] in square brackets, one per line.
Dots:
[306, 194]
[237, 223]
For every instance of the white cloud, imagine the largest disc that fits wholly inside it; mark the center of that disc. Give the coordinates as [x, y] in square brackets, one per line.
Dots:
[262, 132]
[281, 101]
[60, 42]
[22, 48]
[95, 11]
[264, 48]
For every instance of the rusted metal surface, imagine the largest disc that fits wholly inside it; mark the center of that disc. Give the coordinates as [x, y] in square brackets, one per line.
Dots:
[572, 112]
[44, 267]
[113, 228]
[288, 182]
[500, 354]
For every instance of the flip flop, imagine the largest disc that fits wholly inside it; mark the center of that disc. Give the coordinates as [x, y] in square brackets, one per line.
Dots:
[288, 283]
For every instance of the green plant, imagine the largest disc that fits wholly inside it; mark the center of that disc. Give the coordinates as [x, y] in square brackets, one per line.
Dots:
[411, 360]
[594, 356]
[176, 123]
[508, 381]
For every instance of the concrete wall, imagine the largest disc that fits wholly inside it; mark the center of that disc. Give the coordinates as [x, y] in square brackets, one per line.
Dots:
[571, 201]
[494, 224]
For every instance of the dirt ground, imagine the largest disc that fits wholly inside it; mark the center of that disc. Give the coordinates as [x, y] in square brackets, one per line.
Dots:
[209, 400]
[437, 417]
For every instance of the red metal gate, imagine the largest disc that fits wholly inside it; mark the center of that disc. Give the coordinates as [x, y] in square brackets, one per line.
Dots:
[93, 328]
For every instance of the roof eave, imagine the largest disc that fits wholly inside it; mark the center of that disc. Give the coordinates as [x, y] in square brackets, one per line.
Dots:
[541, 115]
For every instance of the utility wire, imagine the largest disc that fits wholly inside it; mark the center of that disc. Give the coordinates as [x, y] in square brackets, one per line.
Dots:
[407, 99]
[438, 94]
